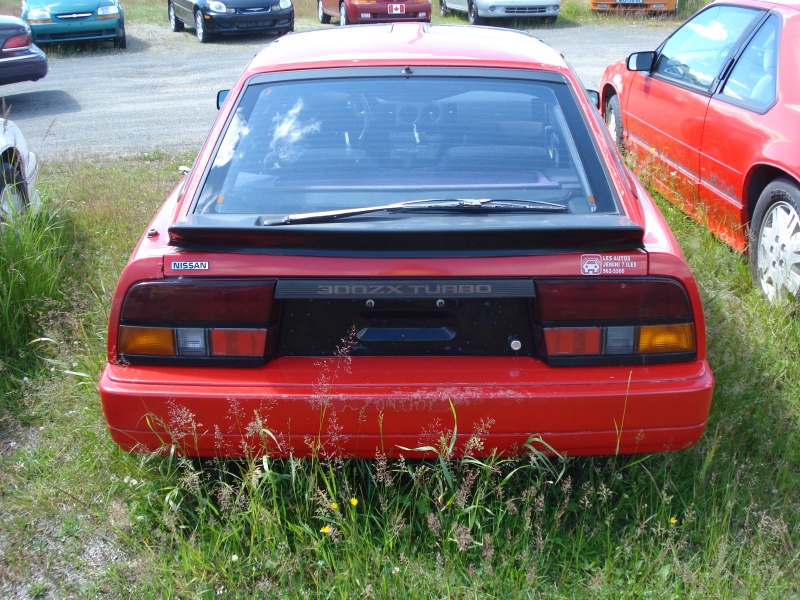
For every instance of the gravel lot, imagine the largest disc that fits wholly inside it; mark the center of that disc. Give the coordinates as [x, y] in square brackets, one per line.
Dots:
[160, 93]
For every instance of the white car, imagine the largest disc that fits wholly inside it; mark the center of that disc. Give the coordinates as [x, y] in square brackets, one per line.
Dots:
[18, 170]
[481, 11]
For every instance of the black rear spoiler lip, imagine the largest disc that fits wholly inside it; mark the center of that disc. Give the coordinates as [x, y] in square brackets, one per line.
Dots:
[469, 235]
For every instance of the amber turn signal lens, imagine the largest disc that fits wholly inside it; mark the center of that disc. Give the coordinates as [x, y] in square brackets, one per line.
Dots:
[666, 338]
[152, 341]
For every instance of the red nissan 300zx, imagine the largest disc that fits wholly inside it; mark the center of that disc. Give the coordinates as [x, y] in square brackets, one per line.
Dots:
[397, 234]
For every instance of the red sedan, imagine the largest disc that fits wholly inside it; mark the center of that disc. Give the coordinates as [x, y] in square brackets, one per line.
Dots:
[424, 237]
[712, 117]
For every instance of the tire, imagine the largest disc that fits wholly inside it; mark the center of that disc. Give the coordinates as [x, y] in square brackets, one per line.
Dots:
[13, 200]
[472, 14]
[121, 42]
[323, 18]
[202, 35]
[443, 11]
[343, 21]
[613, 118]
[175, 24]
[774, 235]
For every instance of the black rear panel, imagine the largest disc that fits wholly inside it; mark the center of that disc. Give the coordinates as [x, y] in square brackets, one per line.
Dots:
[406, 318]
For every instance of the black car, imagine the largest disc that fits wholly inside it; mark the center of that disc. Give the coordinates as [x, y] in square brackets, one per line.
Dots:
[212, 17]
[20, 58]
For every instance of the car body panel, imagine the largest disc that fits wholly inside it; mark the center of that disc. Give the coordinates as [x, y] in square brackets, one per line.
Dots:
[14, 150]
[19, 63]
[350, 402]
[74, 21]
[740, 147]
[244, 16]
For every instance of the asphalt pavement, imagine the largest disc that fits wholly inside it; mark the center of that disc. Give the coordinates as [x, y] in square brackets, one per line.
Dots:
[160, 93]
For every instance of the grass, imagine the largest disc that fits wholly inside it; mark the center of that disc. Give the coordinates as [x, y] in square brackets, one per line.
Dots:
[718, 520]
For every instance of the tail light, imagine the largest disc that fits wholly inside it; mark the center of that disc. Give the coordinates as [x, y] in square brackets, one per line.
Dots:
[18, 42]
[200, 322]
[614, 321]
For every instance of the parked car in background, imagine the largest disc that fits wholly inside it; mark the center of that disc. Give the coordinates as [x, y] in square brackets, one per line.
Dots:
[216, 17]
[18, 171]
[712, 117]
[20, 58]
[480, 12]
[658, 6]
[64, 21]
[350, 12]
[425, 234]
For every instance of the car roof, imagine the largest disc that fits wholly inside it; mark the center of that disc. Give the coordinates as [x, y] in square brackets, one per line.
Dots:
[764, 4]
[407, 44]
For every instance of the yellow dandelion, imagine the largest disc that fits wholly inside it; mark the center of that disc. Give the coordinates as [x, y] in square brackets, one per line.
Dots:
[673, 520]
[325, 529]
[353, 502]
[334, 506]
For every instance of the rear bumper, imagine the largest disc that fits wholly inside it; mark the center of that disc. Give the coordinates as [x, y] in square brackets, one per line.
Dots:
[366, 406]
[30, 65]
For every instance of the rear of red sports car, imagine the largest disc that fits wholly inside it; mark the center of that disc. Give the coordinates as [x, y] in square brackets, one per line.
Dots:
[427, 231]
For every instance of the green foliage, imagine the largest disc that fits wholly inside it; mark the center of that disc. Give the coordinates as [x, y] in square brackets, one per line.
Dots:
[35, 252]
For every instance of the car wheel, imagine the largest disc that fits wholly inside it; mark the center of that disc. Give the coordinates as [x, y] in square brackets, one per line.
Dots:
[323, 18]
[775, 240]
[443, 8]
[472, 14]
[613, 118]
[175, 24]
[202, 35]
[121, 42]
[12, 194]
[343, 15]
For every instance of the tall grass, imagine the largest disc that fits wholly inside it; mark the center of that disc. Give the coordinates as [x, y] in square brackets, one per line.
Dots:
[36, 249]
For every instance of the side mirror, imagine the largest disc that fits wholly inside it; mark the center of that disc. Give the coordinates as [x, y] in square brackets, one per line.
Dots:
[594, 97]
[641, 61]
[221, 95]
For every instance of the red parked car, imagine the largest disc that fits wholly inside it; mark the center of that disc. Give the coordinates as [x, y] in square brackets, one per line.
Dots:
[350, 12]
[427, 233]
[712, 117]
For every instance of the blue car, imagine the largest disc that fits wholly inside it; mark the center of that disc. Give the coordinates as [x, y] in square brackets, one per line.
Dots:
[54, 21]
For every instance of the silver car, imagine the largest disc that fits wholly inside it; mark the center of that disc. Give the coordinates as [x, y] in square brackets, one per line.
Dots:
[481, 11]
[18, 170]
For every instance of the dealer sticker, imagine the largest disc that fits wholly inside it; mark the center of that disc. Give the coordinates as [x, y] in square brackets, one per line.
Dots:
[189, 266]
[613, 264]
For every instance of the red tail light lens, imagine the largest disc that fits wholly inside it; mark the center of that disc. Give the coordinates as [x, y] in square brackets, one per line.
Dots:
[16, 42]
[213, 321]
[614, 321]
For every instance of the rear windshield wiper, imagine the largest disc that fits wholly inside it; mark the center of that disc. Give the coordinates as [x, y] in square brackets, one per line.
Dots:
[455, 204]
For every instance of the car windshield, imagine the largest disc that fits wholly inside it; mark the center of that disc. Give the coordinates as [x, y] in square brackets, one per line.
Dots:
[339, 143]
